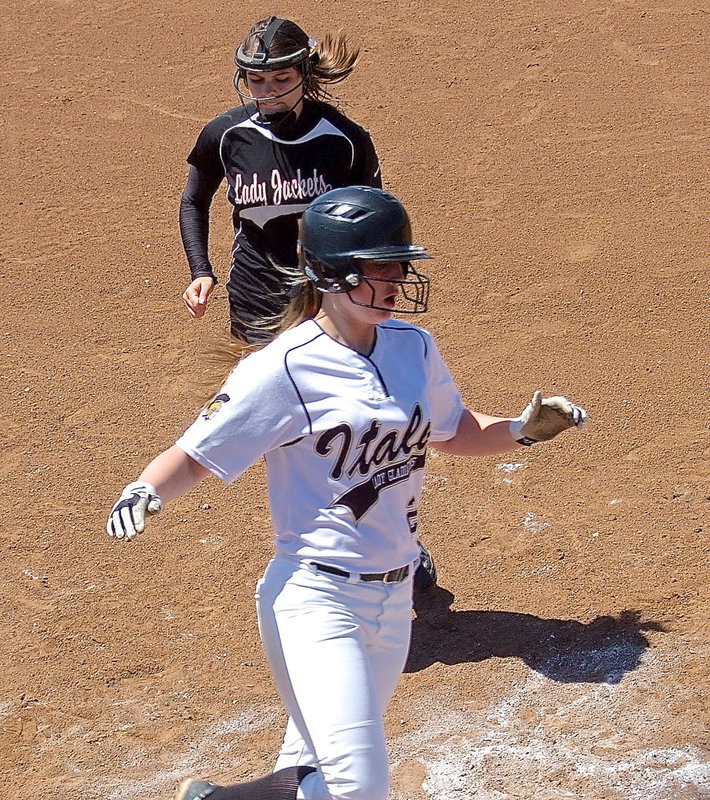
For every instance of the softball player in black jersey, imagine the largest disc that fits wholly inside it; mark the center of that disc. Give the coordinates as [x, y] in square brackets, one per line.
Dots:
[282, 147]
[343, 404]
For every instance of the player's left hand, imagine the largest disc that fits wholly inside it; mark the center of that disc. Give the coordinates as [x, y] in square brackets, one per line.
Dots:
[544, 419]
[127, 517]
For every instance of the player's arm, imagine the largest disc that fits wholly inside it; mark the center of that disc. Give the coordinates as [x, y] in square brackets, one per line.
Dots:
[201, 187]
[482, 435]
[169, 475]
[173, 473]
[479, 435]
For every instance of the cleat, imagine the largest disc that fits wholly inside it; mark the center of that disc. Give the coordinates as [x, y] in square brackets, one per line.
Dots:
[425, 574]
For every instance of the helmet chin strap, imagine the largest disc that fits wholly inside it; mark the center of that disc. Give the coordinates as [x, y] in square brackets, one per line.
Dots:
[278, 119]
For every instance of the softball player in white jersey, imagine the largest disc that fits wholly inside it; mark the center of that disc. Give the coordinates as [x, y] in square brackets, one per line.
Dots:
[343, 406]
[284, 146]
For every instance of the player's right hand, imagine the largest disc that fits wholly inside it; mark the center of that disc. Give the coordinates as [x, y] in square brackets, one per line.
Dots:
[197, 294]
[127, 517]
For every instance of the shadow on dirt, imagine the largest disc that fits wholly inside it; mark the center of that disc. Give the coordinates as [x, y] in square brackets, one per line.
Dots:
[600, 651]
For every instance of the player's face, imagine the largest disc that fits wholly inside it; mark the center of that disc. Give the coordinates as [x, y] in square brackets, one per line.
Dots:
[379, 288]
[276, 91]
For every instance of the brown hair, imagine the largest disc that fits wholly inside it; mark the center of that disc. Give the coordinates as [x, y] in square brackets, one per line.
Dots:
[304, 304]
[331, 60]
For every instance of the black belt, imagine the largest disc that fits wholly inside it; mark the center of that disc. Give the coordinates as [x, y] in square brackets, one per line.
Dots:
[393, 576]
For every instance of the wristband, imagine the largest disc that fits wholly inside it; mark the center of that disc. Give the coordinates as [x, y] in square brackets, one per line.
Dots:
[515, 427]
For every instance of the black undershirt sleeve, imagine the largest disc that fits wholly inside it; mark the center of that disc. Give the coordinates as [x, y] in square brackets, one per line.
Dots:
[202, 184]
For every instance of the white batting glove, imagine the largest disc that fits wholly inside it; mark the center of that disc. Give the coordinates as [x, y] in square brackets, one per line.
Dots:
[544, 419]
[127, 517]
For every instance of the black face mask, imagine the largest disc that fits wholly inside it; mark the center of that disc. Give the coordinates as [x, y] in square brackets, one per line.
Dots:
[278, 120]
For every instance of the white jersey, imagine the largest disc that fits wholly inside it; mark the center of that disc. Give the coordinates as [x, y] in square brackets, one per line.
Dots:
[344, 436]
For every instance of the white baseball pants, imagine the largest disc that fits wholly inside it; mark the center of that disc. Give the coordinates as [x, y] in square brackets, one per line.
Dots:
[336, 647]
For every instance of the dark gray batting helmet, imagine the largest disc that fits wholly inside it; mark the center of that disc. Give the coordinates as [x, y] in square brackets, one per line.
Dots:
[344, 228]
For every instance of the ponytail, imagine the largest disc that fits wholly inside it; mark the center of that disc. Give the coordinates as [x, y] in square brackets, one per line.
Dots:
[225, 354]
[333, 61]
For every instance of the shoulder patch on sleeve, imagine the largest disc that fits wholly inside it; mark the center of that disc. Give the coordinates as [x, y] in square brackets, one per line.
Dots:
[215, 405]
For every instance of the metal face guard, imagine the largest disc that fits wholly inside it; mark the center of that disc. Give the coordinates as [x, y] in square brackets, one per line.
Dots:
[415, 292]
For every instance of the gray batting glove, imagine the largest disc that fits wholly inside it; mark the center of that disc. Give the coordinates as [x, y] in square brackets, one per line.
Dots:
[127, 517]
[544, 419]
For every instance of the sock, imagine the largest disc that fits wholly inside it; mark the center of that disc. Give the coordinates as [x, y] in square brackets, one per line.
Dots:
[281, 785]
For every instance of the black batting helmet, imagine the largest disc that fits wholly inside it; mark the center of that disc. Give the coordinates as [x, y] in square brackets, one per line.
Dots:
[344, 228]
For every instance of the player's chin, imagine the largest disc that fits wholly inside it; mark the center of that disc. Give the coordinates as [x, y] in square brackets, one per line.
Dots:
[272, 106]
[382, 314]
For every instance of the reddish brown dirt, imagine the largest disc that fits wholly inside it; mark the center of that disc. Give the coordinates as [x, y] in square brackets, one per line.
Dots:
[554, 157]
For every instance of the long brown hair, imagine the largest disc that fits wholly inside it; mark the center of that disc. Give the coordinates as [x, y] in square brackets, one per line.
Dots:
[305, 303]
[331, 60]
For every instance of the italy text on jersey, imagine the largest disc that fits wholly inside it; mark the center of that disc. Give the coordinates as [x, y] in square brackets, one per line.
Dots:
[395, 457]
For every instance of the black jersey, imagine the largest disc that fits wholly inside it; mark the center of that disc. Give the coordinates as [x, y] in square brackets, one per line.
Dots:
[272, 176]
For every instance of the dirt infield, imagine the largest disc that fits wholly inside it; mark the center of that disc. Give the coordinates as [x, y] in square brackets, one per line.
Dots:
[554, 157]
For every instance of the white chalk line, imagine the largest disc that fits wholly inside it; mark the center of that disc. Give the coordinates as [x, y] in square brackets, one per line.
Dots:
[217, 749]
[569, 740]
[505, 757]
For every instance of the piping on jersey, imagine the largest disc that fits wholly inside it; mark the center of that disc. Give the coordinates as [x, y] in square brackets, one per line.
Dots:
[295, 387]
[407, 330]
[365, 357]
[376, 368]
[293, 382]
